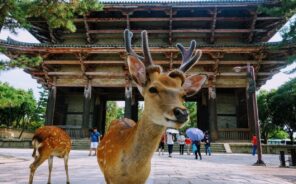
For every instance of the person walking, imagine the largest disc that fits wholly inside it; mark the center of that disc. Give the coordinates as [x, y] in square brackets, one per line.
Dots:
[254, 145]
[94, 141]
[188, 144]
[197, 144]
[170, 143]
[161, 144]
[207, 143]
[181, 141]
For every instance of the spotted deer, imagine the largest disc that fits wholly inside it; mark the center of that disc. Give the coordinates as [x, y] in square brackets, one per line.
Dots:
[47, 142]
[125, 152]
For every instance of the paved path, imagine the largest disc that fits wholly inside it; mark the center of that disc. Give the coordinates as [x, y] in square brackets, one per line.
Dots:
[216, 169]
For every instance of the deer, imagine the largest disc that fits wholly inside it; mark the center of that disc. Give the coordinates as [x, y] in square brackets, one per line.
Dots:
[47, 142]
[125, 152]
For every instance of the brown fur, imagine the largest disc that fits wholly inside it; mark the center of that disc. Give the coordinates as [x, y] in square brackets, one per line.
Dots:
[121, 156]
[49, 141]
[125, 152]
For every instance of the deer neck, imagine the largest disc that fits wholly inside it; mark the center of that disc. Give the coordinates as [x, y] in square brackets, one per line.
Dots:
[147, 136]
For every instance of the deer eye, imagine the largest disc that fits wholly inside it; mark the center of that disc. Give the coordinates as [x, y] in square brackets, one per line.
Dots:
[184, 97]
[153, 90]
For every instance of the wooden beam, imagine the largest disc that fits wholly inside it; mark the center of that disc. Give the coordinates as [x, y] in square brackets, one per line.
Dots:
[114, 31]
[159, 62]
[122, 74]
[86, 26]
[252, 27]
[50, 109]
[86, 105]
[98, 50]
[170, 27]
[213, 26]
[51, 34]
[97, 74]
[181, 19]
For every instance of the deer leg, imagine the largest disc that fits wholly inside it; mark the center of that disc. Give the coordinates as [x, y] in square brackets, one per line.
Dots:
[66, 158]
[50, 162]
[34, 153]
[37, 162]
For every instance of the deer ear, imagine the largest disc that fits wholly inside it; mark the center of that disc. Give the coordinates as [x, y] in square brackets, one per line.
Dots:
[193, 84]
[137, 70]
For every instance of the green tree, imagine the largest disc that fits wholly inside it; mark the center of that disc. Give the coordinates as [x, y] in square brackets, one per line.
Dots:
[39, 114]
[17, 107]
[113, 112]
[266, 124]
[12, 15]
[286, 9]
[279, 134]
[283, 104]
[57, 13]
[21, 62]
[192, 108]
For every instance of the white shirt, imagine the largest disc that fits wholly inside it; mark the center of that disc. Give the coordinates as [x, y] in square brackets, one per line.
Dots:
[170, 139]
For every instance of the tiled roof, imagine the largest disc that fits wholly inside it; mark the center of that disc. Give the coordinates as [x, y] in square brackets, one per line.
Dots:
[12, 42]
[183, 1]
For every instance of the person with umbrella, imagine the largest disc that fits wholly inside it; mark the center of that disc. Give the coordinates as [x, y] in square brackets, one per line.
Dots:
[170, 140]
[196, 135]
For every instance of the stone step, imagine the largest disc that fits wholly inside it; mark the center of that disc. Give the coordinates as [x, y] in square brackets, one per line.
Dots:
[84, 144]
[215, 147]
[80, 144]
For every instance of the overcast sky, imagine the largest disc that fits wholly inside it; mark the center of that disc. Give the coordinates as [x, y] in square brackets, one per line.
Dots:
[20, 79]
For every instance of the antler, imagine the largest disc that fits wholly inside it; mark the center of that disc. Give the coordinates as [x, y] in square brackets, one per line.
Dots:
[187, 59]
[147, 54]
[147, 59]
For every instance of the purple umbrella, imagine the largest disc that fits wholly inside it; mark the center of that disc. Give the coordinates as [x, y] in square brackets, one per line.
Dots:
[195, 134]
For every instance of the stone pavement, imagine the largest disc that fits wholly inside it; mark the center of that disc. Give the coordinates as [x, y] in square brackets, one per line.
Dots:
[215, 169]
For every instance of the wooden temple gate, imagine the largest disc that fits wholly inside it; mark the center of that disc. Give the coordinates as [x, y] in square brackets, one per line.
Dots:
[85, 69]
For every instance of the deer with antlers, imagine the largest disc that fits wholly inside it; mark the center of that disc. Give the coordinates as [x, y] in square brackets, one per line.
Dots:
[124, 154]
[47, 142]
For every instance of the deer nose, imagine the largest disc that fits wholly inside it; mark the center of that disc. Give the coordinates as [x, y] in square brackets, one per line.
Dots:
[181, 114]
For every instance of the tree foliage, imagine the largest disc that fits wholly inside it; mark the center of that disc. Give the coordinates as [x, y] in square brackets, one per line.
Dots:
[286, 9]
[192, 108]
[283, 104]
[22, 61]
[266, 125]
[57, 13]
[113, 112]
[39, 114]
[12, 15]
[18, 108]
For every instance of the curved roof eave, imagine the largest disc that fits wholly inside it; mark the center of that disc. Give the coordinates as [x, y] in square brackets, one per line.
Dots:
[12, 42]
[180, 2]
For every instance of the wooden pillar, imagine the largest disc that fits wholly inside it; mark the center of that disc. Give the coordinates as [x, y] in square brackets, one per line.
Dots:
[95, 119]
[134, 108]
[128, 100]
[213, 113]
[102, 115]
[49, 117]
[86, 106]
[250, 111]
[202, 108]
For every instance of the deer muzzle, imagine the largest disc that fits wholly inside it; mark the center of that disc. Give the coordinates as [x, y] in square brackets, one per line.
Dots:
[181, 115]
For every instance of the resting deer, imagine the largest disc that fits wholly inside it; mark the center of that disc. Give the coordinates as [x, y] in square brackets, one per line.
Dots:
[124, 154]
[49, 141]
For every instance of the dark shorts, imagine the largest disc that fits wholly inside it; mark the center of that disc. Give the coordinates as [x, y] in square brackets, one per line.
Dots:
[161, 145]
